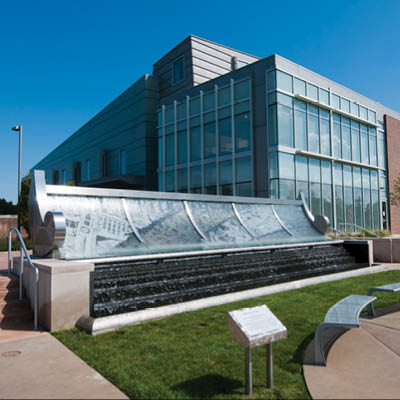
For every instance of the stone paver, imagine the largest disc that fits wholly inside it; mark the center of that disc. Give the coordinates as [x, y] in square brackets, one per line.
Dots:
[42, 368]
[363, 363]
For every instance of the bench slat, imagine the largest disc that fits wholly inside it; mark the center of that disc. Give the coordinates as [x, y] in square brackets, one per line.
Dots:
[347, 310]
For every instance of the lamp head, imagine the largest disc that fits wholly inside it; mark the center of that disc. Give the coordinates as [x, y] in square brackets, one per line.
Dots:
[16, 128]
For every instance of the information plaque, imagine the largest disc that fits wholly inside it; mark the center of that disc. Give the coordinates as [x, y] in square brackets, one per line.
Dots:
[252, 327]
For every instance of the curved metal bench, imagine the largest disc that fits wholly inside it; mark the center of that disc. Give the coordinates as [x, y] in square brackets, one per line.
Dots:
[344, 314]
[392, 288]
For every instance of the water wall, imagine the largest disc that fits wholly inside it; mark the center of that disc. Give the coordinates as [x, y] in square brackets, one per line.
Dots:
[84, 223]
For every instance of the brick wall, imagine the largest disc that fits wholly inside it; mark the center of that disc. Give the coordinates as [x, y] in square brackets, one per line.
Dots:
[6, 221]
[393, 158]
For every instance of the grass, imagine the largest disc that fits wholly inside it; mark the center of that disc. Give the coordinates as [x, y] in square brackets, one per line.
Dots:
[193, 355]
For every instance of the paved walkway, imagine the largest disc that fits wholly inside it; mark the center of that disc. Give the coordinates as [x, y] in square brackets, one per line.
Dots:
[363, 363]
[35, 365]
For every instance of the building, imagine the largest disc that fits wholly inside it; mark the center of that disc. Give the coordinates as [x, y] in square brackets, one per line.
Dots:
[224, 122]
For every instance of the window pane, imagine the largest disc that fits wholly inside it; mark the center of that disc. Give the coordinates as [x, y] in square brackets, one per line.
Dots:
[224, 96]
[323, 96]
[195, 144]
[209, 101]
[312, 92]
[170, 147]
[364, 145]
[159, 118]
[325, 137]
[301, 168]
[182, 147]
[242, 107]
[285, 125]
[363, 113]
[178, 70]
[348, 208]
[346, 142]
[225, 136]
[316, 199]
[182, 180]
[358, 212]
[355, 142]
[210, 178]
[337, 141]
[345, 105]
[284, 81]
[339, 207]
[169, 115]
[336, 101]
[286, 166]
[242, 132]
[243, 169]
[286, 188]
[194, 106]
[273, 165]
[300, 129]
[195, 179]
[170, 181]
[160, 182]
[272, 126]
[327, 201]
[225, 172]
[354, 109]
[372, 116]
[313, 133]
[160, 152]
[315, 170]
[242, 90]
[326, 171]
[181, 111]
[210, 143]
[244, 189]
[299, 87]
[372, 146]
[271, 78]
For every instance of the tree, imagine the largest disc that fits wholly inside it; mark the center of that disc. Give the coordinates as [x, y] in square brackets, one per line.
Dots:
[7, 208]
[22, 205]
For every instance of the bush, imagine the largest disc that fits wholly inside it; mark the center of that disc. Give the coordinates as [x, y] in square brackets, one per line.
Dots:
[15, 244]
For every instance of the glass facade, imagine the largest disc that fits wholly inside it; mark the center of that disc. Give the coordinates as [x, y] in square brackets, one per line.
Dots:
[205, 142]
[328, 147]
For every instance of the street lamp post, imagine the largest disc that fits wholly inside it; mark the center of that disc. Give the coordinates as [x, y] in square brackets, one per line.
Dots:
[18, 128]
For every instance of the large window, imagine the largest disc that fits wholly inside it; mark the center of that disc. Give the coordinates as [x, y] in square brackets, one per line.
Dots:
[123, 161]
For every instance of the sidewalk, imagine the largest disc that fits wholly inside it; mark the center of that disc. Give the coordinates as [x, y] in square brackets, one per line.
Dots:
[364, 363]
[35, 365]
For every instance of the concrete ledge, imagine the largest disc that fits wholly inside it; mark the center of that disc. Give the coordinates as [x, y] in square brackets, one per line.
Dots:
[64, 291]
[96, 326]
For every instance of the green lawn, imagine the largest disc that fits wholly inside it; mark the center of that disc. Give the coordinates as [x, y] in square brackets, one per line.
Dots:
[193, 355]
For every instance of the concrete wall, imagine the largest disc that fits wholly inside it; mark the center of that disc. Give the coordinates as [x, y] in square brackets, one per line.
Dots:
[393, 160]
[127, 123]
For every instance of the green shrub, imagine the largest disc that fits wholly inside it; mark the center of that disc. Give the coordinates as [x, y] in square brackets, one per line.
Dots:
[14, 244]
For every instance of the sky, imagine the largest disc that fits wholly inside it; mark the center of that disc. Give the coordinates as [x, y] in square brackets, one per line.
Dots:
[61, 62]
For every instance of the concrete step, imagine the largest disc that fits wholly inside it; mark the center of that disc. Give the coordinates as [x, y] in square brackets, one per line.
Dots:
[10, 294]
[14, 305]
[16, 315]
[7, 282]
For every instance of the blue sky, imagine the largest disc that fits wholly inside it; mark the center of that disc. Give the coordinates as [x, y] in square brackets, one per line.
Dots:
[63, 61]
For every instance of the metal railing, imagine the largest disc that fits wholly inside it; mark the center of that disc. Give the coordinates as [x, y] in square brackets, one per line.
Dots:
[23, 250]
[359, 228]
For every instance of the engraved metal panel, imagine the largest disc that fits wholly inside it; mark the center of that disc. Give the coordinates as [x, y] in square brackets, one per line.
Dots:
[218, 223]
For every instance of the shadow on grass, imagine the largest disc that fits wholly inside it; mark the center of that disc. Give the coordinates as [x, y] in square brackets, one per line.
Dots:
[298, 355]
[208, 386]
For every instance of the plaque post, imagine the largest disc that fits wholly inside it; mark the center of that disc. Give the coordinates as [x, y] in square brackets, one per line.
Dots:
[249, 372]
[270, 368]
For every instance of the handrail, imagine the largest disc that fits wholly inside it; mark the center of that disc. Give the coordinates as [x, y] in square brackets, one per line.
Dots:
[360, 228]
[21, 272]
[342, 234]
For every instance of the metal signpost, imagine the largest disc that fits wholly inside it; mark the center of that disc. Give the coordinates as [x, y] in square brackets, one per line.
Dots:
[253, 327]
